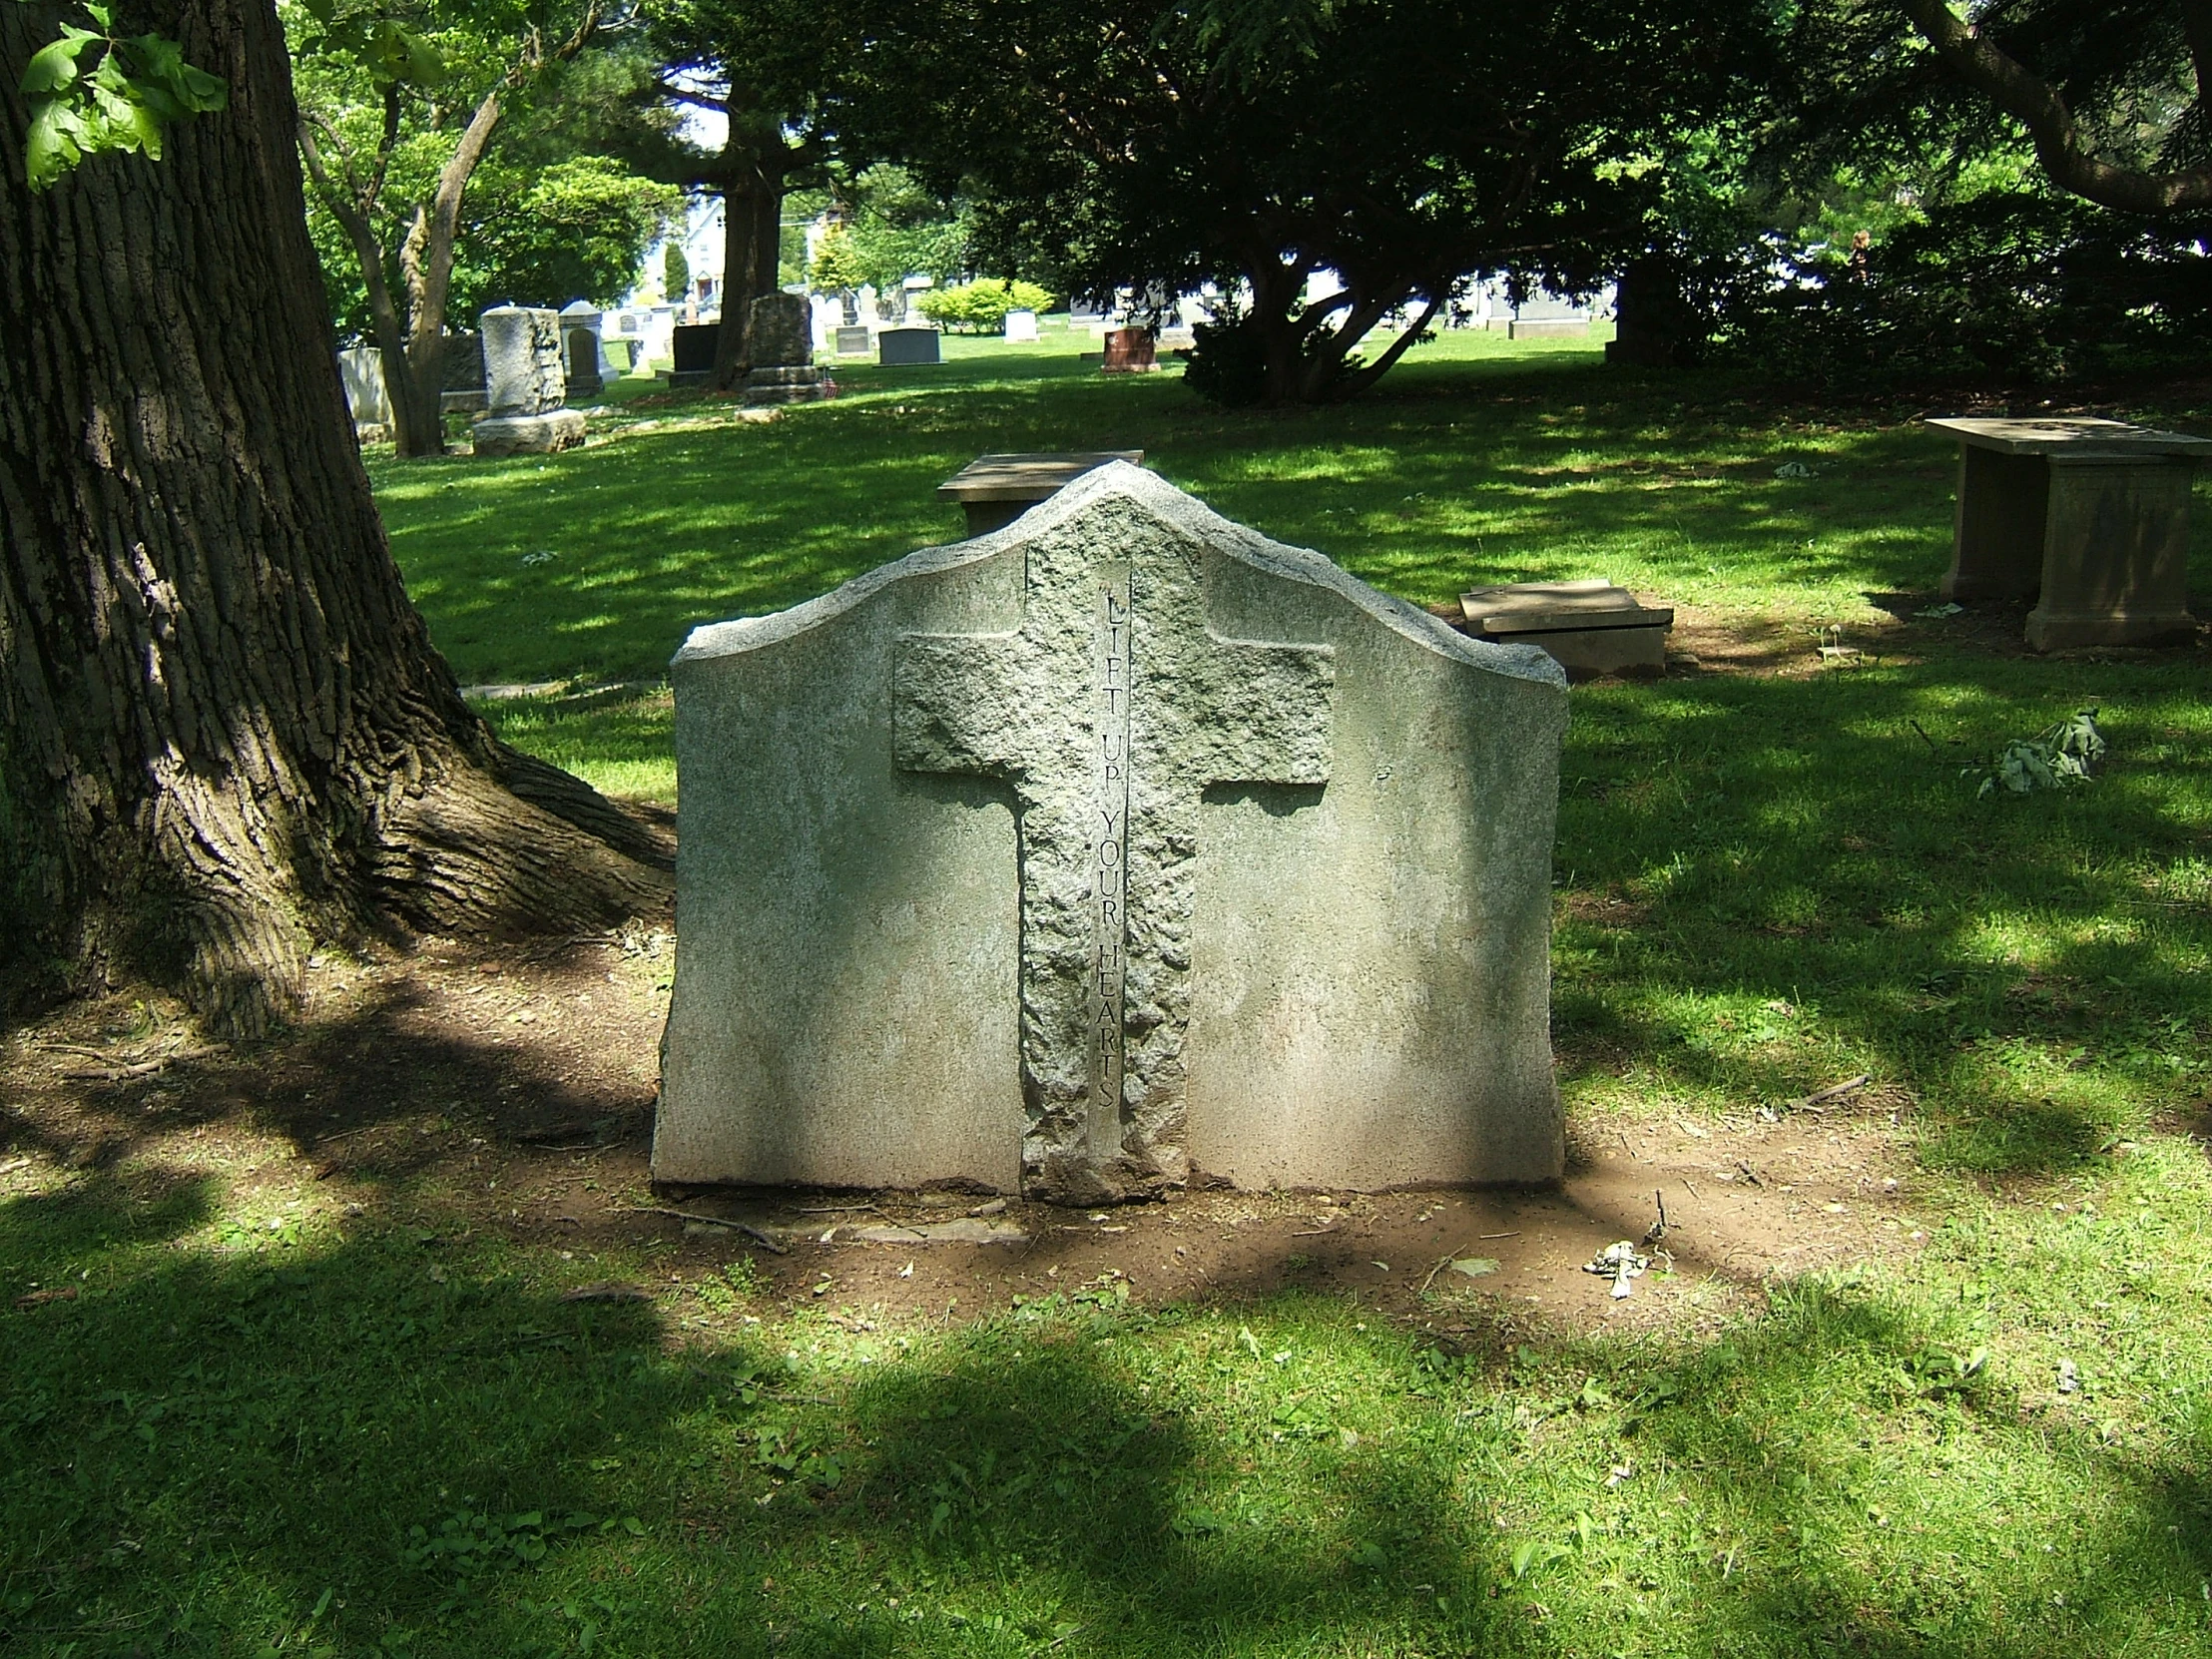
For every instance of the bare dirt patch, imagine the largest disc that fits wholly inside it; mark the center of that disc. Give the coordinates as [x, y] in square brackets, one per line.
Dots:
[510, 1094]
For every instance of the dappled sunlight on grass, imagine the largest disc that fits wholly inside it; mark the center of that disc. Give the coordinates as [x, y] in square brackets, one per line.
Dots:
[267, 1420]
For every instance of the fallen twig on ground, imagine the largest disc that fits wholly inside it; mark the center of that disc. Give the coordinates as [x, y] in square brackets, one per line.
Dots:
[767, 1241]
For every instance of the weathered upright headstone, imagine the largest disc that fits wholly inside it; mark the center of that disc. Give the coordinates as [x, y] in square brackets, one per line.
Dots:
[586, 360]
[361, 373]
[781, 341]
[463, 363]
[527, 385]
[1130, 351]
[1117, 847]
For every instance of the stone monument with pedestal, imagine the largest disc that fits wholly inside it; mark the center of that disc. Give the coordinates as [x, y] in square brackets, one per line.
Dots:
[527, 385]
[1115, 851]
[586, 361]
[781, 337]
[2090, 519]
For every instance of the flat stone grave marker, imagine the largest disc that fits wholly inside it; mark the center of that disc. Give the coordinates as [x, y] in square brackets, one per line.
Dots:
[997, 489]
[2089, 517]
[1112, 850]
[1587, 627]
[905, 347]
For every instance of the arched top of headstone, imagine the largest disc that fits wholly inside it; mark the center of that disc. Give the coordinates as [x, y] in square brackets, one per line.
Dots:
[1118, 490]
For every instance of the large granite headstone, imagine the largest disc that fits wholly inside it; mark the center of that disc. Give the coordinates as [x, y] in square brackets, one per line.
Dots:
[907, 347]
[1114, 849]
[781, 337]
[527, 385]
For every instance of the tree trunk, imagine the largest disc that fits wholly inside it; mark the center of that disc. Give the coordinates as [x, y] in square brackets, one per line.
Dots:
[224, 733]
[416, 394]
[750, 197]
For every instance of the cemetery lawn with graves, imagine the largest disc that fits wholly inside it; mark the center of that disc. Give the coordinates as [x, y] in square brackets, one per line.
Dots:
[374, 1339]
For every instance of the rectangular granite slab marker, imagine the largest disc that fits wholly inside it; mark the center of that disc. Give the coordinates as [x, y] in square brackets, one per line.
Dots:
[1113, 848]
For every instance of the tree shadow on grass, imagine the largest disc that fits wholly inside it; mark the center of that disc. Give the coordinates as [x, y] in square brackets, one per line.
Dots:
[1778, 878]
[210, 1445]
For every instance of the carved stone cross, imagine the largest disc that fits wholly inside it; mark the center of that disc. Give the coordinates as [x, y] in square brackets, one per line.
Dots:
[1110, 711]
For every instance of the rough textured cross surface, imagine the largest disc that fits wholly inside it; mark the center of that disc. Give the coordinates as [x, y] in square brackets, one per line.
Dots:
[1115, 849]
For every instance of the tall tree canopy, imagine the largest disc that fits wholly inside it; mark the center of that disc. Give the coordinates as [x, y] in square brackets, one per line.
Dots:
[399, 102]
[225, 736]
[769, 69]
[1404, 144]
[2110, 91]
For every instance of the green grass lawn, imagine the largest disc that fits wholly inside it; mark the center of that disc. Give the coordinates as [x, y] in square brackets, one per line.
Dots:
[1766, 882]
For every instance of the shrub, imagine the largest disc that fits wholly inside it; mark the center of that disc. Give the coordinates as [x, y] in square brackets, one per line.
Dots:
[2019, 286]
[980, 308]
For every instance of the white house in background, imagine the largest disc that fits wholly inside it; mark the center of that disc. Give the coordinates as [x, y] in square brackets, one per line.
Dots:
[702, 238]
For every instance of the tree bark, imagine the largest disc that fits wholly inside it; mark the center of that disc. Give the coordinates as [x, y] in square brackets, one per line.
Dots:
[2050, 124]
[224, 733]
[752, 238]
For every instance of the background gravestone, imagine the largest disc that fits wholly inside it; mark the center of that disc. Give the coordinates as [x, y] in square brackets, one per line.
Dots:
[584, 358]
[465, 390]
[1114, 847]
[527, 385]
[781, 335]
[361, 371]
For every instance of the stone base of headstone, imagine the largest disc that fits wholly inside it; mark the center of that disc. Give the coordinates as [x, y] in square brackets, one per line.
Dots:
[1589, 628]
[463, 402]
[372, 431]
[1546, 327]
[687, 380]
[766, 386]
[538, 434]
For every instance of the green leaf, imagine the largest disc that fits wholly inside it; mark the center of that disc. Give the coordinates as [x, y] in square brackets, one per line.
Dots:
[1532, 1554]
[56, 143]
[54, 66]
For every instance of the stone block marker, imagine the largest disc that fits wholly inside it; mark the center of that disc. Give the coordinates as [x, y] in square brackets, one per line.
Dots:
[2090, 519]
[1118, 847]
[1130, 351]
[1588, 627]
[780, 336]
[526, 385]
[994, 490]
[906, 348]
